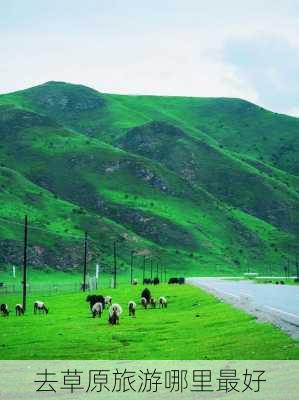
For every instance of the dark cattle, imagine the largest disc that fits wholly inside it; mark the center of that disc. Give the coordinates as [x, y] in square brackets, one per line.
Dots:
[156, 281]
[173, 280]
[181, 281]
[92, 299]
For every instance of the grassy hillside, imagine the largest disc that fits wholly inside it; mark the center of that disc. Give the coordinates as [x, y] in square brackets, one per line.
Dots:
[203, 185]
[215, 330]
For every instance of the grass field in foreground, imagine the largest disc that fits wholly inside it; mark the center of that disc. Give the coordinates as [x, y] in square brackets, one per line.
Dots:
[195, 325]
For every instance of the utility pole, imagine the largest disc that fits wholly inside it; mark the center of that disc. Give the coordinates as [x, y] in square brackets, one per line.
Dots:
[132, 255]
[143, 269]
[114, 255]
[97, 274]
[151, 268]
[25, 262]
[85, 262]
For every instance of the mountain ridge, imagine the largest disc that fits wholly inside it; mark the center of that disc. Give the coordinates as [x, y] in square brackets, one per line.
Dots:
[78, 144]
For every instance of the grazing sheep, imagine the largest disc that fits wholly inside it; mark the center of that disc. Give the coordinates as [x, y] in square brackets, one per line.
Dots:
[114, 313]
[97, 309]
[135, 281]
[108, 300]
[94, 298]
[132, 308]
[19, 309]
[162, 302]
[146, 294]
[40, 306]
[153, 302]
[144, 302]
[4, 310]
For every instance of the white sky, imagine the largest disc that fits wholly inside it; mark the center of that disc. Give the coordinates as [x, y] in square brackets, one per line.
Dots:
[247, 49]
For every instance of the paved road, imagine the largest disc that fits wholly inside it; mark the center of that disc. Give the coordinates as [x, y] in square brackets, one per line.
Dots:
[278, 304]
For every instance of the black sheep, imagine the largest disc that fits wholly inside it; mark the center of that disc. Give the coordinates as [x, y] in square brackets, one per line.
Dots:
[146, 294]
[92, 299]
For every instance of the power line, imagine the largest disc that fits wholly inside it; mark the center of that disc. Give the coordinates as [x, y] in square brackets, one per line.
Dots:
[114, 257]
[85, 262]
[25, 262]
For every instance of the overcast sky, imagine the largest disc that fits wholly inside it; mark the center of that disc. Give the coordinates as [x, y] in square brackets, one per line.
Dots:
[232, 48]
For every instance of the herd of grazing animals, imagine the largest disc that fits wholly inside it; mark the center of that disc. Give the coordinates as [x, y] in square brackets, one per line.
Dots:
[97, 305]
[38, 306]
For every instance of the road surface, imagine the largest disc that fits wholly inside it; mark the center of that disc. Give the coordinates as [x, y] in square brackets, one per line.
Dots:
[278, 304]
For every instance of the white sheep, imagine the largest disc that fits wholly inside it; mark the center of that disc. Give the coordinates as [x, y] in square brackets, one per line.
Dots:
[134, 281]
[132, 308]
[4, 310]
[114, 313]
[97, 309]
[108, 300]
[143, 302]
[162, 302]
[19, 309]
[153, 302]
[40, 306]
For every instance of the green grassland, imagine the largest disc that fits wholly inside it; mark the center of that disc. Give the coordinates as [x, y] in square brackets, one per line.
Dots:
[207, 186]
[195, 325]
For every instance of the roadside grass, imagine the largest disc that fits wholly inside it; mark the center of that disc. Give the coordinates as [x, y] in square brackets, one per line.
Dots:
[195, 325]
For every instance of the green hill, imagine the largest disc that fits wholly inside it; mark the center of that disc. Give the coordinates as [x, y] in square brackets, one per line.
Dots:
[205, 185]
